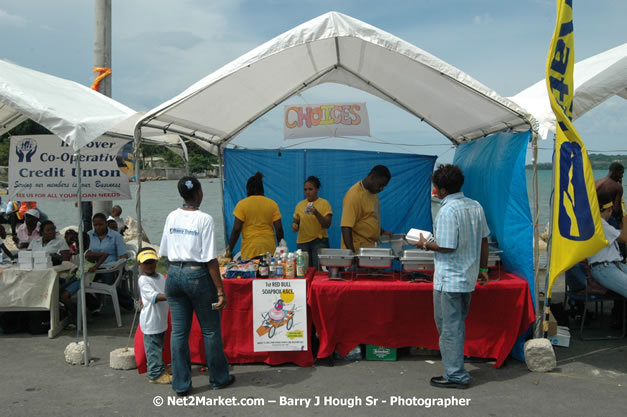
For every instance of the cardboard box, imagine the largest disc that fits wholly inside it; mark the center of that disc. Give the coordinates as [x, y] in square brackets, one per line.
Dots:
[552, 324]
[562, 338]
[380, 353]
[25, 255]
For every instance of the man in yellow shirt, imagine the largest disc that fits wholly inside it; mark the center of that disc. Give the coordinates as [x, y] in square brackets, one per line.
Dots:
[361, 217]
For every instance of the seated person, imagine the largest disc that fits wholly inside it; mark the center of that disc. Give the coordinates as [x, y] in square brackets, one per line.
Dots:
[3, 236]
[70, 286]
[71, 238]
[112, 224]
[49, 242]
[11, 212]
[606, 266]
[29, 230]
[116, 213]
[103, 239]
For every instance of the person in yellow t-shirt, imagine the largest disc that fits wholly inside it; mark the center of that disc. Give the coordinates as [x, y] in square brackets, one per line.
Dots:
[258, 219]
[312, 218]
[361, 217]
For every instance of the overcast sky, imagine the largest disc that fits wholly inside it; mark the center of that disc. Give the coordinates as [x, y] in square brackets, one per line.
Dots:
[160, 47]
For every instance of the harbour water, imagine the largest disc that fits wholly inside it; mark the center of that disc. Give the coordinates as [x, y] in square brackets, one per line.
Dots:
[161, 197]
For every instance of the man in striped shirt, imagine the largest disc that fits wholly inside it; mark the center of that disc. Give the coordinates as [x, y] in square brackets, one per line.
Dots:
[460, 244]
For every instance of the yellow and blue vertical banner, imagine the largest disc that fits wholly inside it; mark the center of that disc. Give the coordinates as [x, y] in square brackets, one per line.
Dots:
[576, 229]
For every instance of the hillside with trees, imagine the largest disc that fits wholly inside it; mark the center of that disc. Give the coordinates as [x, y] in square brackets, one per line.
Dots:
[597, 161]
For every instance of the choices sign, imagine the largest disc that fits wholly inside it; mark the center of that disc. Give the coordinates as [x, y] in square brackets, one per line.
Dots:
[322, 120]
[43, 167]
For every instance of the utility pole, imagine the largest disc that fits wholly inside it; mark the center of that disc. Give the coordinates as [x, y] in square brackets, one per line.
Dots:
[102, 59]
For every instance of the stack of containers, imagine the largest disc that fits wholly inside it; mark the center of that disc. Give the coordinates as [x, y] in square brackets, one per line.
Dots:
[25, 260]
[41, 260]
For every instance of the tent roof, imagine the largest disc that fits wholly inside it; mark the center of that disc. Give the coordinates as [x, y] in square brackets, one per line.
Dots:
[337, 48]
[596, 79]
[73, 112]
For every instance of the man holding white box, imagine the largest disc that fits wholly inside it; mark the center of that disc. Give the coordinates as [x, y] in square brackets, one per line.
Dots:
[460, 243]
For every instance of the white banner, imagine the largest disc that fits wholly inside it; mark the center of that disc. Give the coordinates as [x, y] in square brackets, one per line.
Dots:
[43, 167]
[323, 120]
[279, 314]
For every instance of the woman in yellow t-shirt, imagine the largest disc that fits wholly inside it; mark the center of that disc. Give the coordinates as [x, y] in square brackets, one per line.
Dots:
[312, 218]
[258, 219]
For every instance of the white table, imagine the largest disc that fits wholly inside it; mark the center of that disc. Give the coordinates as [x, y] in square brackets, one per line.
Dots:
[33, 291]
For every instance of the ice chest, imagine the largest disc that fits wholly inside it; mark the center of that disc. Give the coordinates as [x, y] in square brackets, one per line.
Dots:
[380, 353]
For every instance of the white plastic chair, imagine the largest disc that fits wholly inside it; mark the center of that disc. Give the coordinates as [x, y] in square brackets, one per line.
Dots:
[101, 288]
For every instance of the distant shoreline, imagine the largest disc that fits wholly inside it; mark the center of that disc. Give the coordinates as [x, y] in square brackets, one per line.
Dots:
[597, 161]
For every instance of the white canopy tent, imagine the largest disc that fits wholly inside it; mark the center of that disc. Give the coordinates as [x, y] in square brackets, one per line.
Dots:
[73, 112]
[340, 49]
[335, 48]
[596, 79]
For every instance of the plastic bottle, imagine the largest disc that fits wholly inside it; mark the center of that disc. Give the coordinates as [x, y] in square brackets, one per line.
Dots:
[300, 264]
[278, 269]
[272, 268]
[290, 267]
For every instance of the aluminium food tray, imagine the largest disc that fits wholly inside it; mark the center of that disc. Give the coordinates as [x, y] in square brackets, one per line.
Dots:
[375, 258]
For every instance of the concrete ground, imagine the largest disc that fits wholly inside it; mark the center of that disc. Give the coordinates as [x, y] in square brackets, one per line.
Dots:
[590, 380]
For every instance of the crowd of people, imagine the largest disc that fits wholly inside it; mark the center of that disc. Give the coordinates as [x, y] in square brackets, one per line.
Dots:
[194, 285]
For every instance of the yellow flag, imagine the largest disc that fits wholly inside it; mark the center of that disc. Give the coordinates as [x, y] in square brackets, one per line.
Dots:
[576, 229]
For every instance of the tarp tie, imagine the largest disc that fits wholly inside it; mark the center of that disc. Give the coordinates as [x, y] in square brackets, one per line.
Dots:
[102, 74]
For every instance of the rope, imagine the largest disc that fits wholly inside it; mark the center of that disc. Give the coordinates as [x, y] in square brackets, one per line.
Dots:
[102, 74]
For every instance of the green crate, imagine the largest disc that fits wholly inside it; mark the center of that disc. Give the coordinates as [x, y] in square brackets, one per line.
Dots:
[380, 353]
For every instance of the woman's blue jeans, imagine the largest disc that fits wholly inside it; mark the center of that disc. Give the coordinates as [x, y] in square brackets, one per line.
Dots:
[190, 289]
[612, 275]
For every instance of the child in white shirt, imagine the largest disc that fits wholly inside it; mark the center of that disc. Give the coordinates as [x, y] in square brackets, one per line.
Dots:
[153, 318]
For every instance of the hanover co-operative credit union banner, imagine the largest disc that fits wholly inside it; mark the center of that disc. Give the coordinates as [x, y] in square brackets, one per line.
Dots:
[43, 167]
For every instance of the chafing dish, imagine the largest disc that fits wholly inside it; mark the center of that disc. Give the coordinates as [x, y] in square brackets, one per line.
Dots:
[375, 258]
[416, 260]
[334, 259]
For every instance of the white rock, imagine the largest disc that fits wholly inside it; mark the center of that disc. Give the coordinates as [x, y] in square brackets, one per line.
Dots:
[539, 355]
[122, 358]
[75, 353]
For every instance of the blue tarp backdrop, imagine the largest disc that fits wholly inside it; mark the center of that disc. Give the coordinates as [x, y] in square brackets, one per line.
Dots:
[405, 202]
[494, 171]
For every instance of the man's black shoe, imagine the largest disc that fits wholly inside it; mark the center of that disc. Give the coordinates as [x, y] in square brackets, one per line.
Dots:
[184, 393]
[441, 382]
[229, 382]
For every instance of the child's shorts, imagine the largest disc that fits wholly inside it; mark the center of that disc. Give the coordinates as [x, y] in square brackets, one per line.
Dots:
[71, 285]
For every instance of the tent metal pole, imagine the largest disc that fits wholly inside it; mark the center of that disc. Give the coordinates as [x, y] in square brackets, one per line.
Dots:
[221, 170]
[542, 331]
[138, 207]
[536, 216]
[81, 255]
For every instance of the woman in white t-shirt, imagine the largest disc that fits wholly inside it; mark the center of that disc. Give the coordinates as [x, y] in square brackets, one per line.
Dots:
[49, 242]
[193, 284]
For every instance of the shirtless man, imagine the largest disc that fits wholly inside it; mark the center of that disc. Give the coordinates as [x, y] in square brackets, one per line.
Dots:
[612, 185]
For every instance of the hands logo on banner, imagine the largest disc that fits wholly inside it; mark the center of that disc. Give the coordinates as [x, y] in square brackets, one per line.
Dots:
[26, 149]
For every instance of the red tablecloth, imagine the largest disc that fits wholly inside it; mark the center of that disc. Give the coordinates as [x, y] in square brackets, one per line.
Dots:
[237, 332]
[386, 312]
